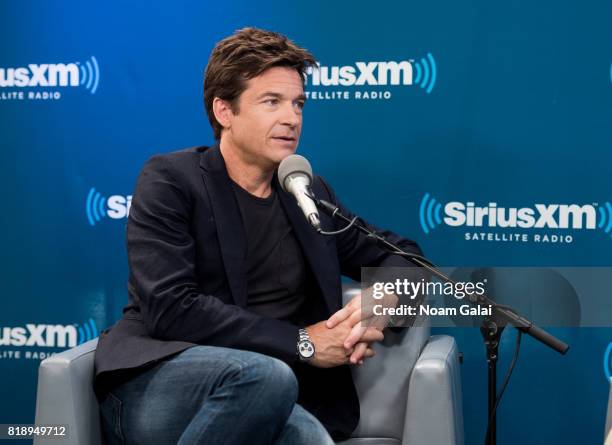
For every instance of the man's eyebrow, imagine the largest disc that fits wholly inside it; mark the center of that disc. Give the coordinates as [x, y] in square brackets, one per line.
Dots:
[278, 95]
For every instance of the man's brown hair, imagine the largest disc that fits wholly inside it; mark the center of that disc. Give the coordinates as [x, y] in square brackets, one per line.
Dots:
[242, 56]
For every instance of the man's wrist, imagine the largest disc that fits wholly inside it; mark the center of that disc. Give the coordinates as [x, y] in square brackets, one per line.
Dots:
[305, 346]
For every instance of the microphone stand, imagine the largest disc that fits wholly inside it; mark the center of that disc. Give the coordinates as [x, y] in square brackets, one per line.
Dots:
[492, 326]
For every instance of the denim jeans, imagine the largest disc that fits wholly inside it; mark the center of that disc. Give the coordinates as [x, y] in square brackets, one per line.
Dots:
[211, 395]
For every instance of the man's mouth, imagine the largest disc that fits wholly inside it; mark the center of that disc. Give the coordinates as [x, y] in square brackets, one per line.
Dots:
[284, 138]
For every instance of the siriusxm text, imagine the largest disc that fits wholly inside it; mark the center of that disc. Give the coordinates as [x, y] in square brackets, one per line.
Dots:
[362, 73]
[554, 216]
[41, 75]
[49, 335]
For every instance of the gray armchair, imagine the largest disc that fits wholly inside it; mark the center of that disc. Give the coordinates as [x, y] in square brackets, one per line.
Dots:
[608, 432]
[410, 392]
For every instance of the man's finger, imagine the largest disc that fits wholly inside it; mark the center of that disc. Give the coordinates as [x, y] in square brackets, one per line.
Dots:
[362, 350]
[355, 317]
[354, 336]
[345, 312]
[338, 317]
[372, 334]
[358, 352]
[369, 352]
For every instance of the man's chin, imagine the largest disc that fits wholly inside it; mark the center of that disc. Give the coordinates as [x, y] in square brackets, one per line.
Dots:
[282, 153]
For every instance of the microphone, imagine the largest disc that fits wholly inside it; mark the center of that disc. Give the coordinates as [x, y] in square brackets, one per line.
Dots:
[295, 177]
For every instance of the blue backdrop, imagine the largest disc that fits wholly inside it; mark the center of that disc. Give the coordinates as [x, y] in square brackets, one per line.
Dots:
[485, 102]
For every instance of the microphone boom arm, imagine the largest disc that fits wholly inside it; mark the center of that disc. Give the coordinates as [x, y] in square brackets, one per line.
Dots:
[503, 312]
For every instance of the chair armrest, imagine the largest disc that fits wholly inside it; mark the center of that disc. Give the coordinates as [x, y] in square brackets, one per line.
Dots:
[65, 395]
[434, 413]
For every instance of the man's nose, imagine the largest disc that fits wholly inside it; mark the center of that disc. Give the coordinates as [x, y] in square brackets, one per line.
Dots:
[291, 115]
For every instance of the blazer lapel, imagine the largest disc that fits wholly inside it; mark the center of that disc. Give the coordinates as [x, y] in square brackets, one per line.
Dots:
[230, 230]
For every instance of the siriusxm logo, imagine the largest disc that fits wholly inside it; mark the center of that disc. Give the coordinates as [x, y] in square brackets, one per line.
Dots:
[48, 335]
[607, 362]
[422, 72]
[539, 216]
[75, 74]
[98, 207]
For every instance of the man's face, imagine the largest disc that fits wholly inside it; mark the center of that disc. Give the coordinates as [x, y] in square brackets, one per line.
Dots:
[266, 128]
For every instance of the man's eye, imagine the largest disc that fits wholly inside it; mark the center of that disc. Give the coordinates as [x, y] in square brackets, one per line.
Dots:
[300, 104]
[271, 101]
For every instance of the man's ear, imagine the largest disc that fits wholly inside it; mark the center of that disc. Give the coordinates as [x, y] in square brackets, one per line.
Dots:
[223, 112]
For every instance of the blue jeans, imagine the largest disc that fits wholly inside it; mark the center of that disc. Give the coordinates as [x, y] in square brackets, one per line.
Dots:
[211, 395]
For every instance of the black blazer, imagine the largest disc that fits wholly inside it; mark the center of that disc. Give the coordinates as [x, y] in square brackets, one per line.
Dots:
[187, 281]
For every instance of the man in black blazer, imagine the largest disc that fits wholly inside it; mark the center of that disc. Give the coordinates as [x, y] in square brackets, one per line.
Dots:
[227, 278]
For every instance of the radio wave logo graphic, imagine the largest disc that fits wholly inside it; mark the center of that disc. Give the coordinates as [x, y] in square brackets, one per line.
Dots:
[430, 213]
[87, 331]
[605, 218]
[95, 207]
[426, 72]
[607, 364]
[90, 74]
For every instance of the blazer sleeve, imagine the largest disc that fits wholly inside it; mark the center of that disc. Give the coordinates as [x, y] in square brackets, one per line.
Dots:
[355, 250]
[161, 254]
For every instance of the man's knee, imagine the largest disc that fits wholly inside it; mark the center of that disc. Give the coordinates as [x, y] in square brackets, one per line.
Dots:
[246, 377]
[275, 379]
[252, 375]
